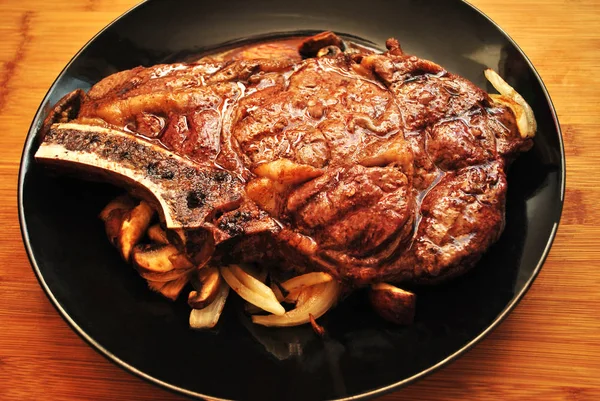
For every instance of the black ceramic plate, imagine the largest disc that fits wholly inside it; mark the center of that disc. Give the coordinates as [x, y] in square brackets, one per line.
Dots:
[107, 303]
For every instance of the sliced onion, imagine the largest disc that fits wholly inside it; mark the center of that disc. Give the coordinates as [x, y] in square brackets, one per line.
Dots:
[513, 100]
[306, 280]
[208, 317]
[251, 290]
[315, 300]
[295, 285]
[251, 282]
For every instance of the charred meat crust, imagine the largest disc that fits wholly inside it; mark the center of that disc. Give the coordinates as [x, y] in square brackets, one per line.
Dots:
[65, 110]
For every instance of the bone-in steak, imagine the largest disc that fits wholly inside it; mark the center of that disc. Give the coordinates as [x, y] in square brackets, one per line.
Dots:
[371, 167]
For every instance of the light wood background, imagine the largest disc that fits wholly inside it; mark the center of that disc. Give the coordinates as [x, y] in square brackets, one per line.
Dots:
[549, 347]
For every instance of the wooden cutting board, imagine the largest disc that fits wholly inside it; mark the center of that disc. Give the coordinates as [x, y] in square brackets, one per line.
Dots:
[547, 349]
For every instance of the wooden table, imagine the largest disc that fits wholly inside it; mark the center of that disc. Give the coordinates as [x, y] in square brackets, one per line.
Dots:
[549, 347]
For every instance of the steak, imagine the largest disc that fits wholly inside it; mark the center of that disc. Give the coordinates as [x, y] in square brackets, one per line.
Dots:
[370, 167]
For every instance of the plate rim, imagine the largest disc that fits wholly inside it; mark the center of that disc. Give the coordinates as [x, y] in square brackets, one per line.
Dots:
[24, 167]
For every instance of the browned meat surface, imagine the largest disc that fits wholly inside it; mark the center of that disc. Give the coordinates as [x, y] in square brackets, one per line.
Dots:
[372, 167]
[324, 114]
[426, 93]
[353, 212]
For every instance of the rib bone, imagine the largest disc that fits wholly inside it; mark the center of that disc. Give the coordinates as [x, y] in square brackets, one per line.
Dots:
[185, 193]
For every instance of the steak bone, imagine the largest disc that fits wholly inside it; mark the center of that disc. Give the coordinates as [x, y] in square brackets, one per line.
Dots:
[189, 196]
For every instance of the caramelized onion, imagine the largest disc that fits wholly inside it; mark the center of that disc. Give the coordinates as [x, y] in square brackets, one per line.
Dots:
[287, 172]
[306, 280]
[510, 98]
[314, 300]
[251, 289]
[295, 285]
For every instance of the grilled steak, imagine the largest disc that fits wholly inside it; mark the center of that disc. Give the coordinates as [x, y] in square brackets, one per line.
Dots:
[371, 167]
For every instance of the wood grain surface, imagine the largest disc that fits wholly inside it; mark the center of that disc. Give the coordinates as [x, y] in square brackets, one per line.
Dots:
[548, 348]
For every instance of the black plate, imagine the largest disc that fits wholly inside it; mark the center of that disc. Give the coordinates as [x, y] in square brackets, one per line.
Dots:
[106, 302]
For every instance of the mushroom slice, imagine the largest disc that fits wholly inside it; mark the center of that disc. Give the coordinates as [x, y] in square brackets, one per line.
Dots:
[329, 51]
[311, 46]
[251, 289]
[314, 300]
[133, 228]
[392, 303]
[123, 202]
[155, 262]
[113, 224]
[157, 234]
[208, 317]
[180, 261]
[206, 282]
[510, 98]
[169, 289]
[114, 214]
[287, 172]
